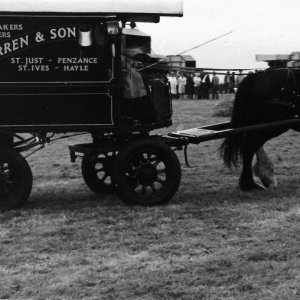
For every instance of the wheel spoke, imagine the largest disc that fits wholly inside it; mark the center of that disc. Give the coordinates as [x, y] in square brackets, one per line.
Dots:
[153, 188]
[162, 171]
[160, 181]
[155, 161]
[142, 190]
[104, 177]
[147, 156]
[100, 170]
[141, 161]
[4, 170]
[100, 160]
[9, 181]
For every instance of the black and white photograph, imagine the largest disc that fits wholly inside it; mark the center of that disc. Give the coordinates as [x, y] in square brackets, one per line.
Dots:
[149, 149]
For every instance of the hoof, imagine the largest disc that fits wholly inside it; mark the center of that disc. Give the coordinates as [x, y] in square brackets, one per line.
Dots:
[266, 181]
[253, 186]
[269, 182]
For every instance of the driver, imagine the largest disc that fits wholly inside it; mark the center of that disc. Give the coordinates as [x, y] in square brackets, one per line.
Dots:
[136, 106]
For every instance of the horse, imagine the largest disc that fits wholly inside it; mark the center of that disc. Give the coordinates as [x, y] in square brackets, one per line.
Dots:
[266, 96]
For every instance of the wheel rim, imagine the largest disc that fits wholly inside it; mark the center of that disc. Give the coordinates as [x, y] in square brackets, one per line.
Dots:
[10, 184]
[146, 173]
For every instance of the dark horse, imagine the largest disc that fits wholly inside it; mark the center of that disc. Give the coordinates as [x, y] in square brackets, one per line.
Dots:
[267, 96]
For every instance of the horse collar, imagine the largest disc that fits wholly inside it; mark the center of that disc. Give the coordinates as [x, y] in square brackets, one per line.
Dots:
[290, 74]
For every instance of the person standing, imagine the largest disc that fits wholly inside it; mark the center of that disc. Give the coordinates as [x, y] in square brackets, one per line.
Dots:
[173, 85]
[215, 82]
[239, 78]
[227, 82]
[181, 85]
[197, 86]
[189, 87]
[206, 84]
[232, 82]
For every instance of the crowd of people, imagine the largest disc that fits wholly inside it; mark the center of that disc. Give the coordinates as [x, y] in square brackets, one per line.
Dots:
[139, 89]
[202, 85]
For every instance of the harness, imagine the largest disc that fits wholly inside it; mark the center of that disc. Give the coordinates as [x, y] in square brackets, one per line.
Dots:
[289, 96]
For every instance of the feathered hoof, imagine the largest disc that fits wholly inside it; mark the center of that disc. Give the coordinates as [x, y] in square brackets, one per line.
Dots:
[269, 182]
[251, 186]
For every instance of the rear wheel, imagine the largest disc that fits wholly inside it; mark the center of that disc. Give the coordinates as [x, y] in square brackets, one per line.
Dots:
[96, 171]
[15, 179]
[147, 173]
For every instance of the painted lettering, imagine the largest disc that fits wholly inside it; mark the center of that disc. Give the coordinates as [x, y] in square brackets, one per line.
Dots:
[7, 47]
[14, 45]
[77, 60]
[62, 33]
[14, 27]
[74, 68]
[24, 41]
[5, 34]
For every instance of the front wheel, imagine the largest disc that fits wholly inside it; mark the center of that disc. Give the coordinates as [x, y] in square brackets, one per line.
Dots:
[15, 179]
[147, 172]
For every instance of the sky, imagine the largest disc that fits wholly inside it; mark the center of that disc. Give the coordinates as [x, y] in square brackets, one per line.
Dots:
[259, 27]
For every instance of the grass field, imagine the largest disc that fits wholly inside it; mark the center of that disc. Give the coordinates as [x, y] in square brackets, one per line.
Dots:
[211, 241]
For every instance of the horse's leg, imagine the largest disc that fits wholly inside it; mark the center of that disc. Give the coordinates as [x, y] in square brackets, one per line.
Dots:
[246, 180]
[253, 142]
[264, 168]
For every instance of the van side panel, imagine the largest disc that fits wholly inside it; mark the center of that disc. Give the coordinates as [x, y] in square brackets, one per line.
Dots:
[56, 70]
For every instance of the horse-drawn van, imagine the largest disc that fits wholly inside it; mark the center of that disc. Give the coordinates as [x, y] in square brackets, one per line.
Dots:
[65, 66]
[62, 70]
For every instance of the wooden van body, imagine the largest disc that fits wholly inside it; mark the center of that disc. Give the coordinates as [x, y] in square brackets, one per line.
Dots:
[60, 62]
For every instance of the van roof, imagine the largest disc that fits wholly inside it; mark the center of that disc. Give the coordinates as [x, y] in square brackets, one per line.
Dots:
[132, 7]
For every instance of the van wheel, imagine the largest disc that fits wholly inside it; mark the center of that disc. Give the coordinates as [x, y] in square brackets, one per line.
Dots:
[147, 173]
[96, 171]
[15, 179]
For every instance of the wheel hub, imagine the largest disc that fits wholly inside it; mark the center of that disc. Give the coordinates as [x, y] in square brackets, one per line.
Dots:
[107, 165]
[147, 175]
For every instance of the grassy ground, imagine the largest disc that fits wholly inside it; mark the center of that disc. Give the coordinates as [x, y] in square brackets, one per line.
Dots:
[210, 242]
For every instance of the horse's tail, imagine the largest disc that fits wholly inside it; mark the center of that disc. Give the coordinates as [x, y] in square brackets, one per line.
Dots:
[231, 148]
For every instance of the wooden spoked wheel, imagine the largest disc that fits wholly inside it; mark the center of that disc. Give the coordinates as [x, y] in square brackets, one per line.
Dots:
[15, 179]
[147, 172]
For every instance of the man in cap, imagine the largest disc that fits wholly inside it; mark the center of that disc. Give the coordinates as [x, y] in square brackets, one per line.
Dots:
[215, 82]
